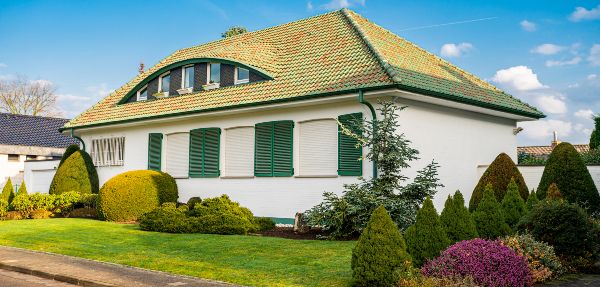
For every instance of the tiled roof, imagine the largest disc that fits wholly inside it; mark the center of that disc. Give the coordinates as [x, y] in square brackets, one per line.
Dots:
[331, 53]
[33, 131]
[546, 150]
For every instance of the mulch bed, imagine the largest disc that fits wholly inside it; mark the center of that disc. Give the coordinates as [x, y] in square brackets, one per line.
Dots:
[288, 232]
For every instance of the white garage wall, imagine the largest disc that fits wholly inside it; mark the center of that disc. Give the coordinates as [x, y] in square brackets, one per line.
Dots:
[38, 175]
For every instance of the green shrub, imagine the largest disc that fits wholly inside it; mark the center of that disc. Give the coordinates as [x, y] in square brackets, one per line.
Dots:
[456, 219]
[513, 205]
[427, 237]
[532, 200]
[264, 223]
[3, 207]
[543, 262]
[595, 136]
[166, 218]
[65, 202]
[22, 189]
[498, 174]
[193, 201]
[568, 228]
[83, 212]
[39, 201]
[68, 152]
[87, 200]
[222, 205]
[8, 192]
[77, 173]
[489, 218]
[380, 253]
[553, 193]
[14, 215]
[129, 195]
[225, 223]
[39, 214]
[566, 168]
[21, 204]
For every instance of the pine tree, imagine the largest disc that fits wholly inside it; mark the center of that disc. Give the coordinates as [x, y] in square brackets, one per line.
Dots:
[427, 238]
[456, 219]
[8, 192]
[489, 218]
[513, 205]
[532, 200]
[22, 189]
[380, 252]
[595, 136]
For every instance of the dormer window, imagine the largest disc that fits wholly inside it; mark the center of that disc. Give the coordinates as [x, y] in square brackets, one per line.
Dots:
[188, 77]
[142, 94]
[214, 75]
[164, 83]
[241, 75]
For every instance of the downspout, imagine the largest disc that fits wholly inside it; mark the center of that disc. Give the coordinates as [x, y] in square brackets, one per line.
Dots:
[79, 139]
[361, 99]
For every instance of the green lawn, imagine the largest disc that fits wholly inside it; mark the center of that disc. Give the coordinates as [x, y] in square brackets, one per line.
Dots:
[246, 260]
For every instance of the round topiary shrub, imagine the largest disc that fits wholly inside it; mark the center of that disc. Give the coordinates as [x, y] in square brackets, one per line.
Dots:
[489, 217]
[380, 253]
[77, 173]
[129, 195]
[513, 205]
[456, 219]
[488, 262]
[427, 237]
[566, 168]
[498, 174]
[543, 262]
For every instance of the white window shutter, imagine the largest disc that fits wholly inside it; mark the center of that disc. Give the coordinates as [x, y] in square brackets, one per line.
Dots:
[177, 154]
[239, 151]
[318, 148]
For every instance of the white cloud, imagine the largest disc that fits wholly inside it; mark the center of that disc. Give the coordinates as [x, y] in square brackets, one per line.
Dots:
[584, 114]
[547, 49]
[339, 4]
[520, 78]
[455, 50]
[594, 56]
[309, 6]
[576, 85]
[582, 13]
[551, 104]
[3, 65]
[553, 63]
[592, 77]
[543, 129]
[528, 26]
[70, 98]
[99, 91]
[43, 82]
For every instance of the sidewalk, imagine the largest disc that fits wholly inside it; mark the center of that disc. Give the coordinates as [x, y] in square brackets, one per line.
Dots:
[91, 273]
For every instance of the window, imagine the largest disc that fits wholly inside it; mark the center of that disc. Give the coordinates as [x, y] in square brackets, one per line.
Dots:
[239, 151]
[204, 152]
[273, 146]
[188, 77]
[318, 148]
[108, 151]
[349, 155]
[142, 94]
[241, 75]
[164, 83]
[177, 154]
[154, 151]
[214, 73]
[13, 157]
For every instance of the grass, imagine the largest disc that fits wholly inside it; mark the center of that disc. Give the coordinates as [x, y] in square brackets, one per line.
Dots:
[246, 260]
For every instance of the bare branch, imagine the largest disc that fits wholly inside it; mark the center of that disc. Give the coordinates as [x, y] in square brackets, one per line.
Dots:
[25, 97]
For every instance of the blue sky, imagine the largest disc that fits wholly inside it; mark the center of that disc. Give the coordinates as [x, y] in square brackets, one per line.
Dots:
[544, 52]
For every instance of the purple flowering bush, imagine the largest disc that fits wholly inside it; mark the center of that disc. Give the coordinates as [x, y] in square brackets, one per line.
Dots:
[488, 262]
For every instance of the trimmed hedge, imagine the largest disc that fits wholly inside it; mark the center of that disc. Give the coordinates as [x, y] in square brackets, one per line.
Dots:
[129, 195]
[513, 206]
[380, 252]
[8, 192]
[427, 237]
[68, 152]
[77, 173]
[456, 219]
[498, 174]
[566, 168]
[489, 217]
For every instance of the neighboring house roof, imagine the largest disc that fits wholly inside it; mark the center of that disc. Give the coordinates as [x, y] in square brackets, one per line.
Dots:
[33, 131]
[333, 53]
[546, 150]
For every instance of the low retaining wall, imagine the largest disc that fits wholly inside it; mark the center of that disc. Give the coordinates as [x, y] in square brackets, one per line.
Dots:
[38, 175]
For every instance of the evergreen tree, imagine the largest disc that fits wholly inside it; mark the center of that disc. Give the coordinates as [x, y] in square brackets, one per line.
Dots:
[8, 192]
[513, 205]
[456, 219]
[234, 31]
[553, 192]
[22, 189]
[532, 200]
[427, 238]
[498, 174]
[595, 136]
[380, 252]
[489, 218]
[566, 168]
[77, 173]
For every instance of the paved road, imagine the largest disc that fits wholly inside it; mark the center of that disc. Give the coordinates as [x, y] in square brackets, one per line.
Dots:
[15, 279]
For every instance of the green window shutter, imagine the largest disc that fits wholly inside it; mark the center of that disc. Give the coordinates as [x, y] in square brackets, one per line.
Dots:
[263, 149]
[283, 143]
[204, 152]
[154, 151]
[349, 156]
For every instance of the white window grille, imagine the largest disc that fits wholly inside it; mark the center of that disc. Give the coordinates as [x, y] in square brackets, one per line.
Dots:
[108, 151]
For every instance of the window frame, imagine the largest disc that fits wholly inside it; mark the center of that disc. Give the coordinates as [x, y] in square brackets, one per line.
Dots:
[208, 74]
[139, 92]
[237, 81]
[18, 157]
[184, 75]
[108, 151]
[160, 82]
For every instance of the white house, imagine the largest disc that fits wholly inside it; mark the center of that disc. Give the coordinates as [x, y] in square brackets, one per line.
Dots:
[28, 138]
[254, 115]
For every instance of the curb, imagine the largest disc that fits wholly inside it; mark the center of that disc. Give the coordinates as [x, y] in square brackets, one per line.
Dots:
[56, 277]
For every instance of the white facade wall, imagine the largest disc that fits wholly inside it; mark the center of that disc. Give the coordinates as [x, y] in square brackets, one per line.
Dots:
[533, 174]
[458, 140]
[38, 175]
[12, 169]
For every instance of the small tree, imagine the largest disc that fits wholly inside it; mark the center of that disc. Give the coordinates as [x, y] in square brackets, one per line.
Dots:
[513, 205]
[8, 192]
[380, 252]
[532, 200]
[233, 31]
[26, 97]
[22, 189]
[595, 136]
[566, 168]
[488, 217]
[77, 173]
[427, 238]
[499, 174]
[456, 219]
[553, 192]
